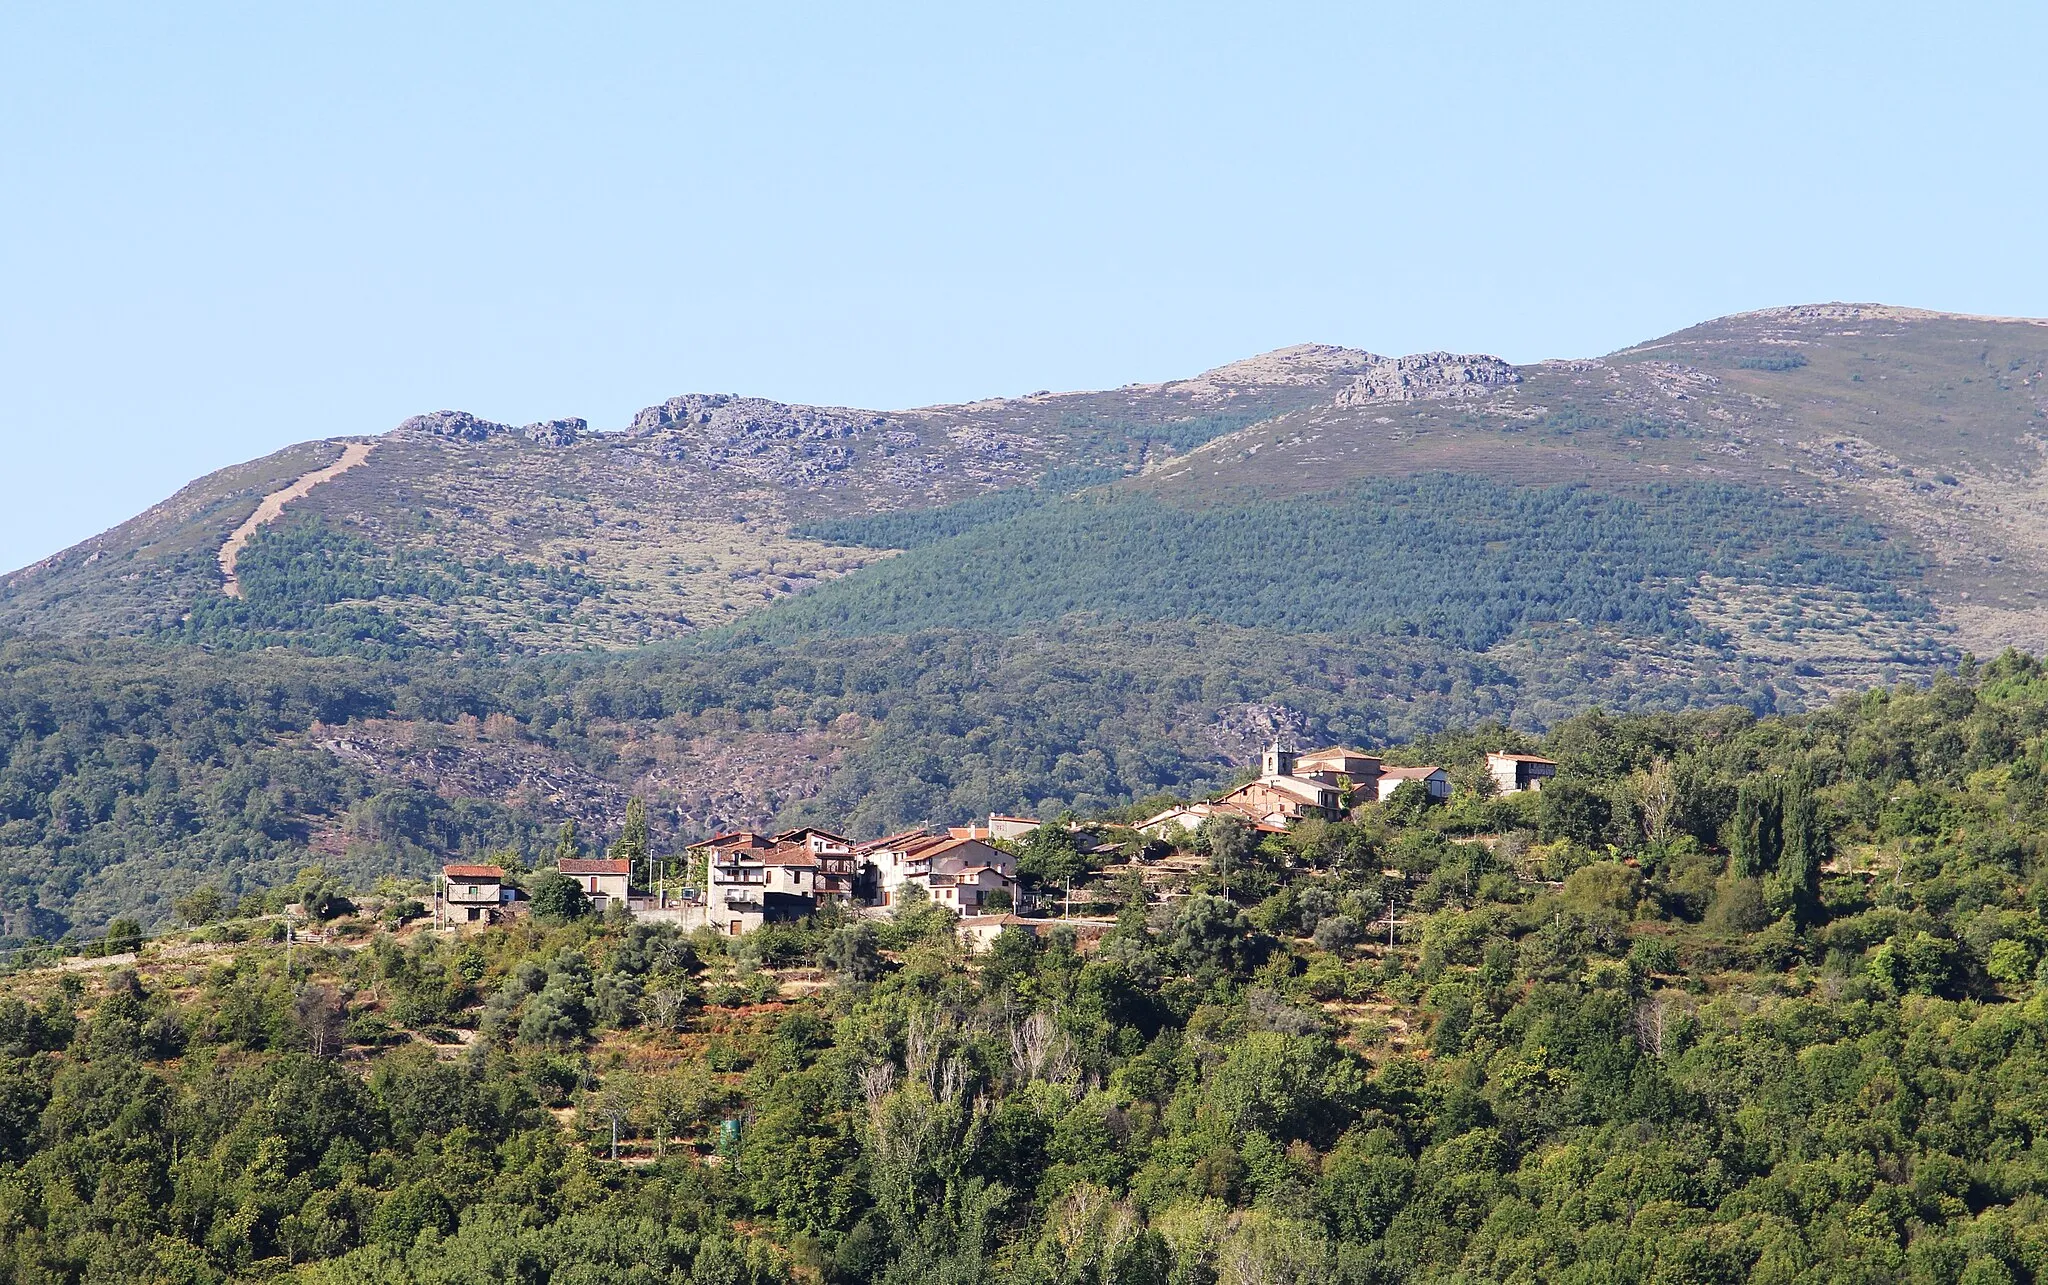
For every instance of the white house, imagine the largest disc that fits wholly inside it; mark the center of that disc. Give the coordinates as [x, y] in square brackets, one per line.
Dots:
[957, 872]
[604, 880]
[1435, 781]
[1516, 772]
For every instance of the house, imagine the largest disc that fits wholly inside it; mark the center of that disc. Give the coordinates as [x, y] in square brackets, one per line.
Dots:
[1435, 781]
[959, 873]
[750, 885]
[838, 877]
[979, 932]
[1341, 767]
[469, 894]
[1516, 772]
[604, 880]
[1280, 796]
[1177, 823]
[1002, 827]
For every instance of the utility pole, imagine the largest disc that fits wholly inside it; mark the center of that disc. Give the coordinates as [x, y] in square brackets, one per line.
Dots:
[291, 941]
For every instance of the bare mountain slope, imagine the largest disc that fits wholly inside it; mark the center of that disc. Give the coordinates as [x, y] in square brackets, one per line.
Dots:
[678, 521]
[552, 536]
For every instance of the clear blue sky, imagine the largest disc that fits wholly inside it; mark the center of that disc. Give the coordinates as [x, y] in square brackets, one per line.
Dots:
[224, 228]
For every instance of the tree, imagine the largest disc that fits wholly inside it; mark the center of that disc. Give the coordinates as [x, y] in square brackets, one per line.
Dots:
[1802, 848]
[1210, 935]
[325, 900]
[559, 899]
[1755, 832]
[632, 843]
[1052, 854]
[853, 952]
[1575, 811]
[1338, 933]
[123, 935]
[1408, 804]
[202, 905]
[615, 1104]
[1226, 841]
[567, 846]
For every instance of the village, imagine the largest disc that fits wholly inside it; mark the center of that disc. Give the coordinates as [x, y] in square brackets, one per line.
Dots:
[751, 879]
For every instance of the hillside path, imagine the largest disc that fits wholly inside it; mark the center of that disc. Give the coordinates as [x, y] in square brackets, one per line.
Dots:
[273, 506]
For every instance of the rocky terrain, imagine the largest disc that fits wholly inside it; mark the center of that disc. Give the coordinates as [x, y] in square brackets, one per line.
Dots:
[1932, 424]
[520, 580]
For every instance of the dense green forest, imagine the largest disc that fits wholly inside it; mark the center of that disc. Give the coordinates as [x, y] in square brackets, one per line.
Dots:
[130, 773]
[1461, 559]
[1732, 1000]
[309, 585]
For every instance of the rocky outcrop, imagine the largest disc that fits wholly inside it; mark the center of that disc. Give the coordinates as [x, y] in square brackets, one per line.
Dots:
[773, 441]
[1302, 365]
[465, 427]
[458, 424]
[724, 417]
[556, 432]
[1428, 376]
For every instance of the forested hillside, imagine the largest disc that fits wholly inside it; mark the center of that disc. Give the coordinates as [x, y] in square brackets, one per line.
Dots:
[132, 773]
[744, 611]
[1462, 560]
[1731, 1000]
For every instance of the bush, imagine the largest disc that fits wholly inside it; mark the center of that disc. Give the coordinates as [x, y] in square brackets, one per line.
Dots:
[1338, 933]
[558, 899]
[123, 935]
[853, 952]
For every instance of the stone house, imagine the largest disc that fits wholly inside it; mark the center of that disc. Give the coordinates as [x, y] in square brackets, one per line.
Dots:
[1280, 795]
[1513, 773]
[470, 894]
[604, 880]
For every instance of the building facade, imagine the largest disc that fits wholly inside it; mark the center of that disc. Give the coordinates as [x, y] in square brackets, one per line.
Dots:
[470, 894]
[603, 880]
[1516, 772]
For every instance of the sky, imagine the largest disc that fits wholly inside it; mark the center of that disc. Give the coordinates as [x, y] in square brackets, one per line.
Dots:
[226, 228]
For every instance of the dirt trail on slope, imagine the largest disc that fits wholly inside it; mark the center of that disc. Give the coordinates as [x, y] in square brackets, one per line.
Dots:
[273, 505]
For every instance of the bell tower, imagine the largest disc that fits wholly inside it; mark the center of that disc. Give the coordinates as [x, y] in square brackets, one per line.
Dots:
[1276, 761]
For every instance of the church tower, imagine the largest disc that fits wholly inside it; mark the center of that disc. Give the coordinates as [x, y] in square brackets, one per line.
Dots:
[1277, 762]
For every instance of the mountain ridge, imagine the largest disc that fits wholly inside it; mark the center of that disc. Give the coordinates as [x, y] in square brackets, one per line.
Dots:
[753, 613]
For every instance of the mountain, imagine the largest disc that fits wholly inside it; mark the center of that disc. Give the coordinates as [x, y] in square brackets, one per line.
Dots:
[551, 536]
[452, 636]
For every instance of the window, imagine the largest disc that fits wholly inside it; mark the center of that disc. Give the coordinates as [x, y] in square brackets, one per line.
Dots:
[474, 892]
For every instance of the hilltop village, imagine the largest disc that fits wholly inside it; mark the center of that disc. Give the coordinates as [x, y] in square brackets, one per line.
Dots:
[741, 880]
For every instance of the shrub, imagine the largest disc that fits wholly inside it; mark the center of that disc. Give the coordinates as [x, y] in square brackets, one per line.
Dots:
[558, 899]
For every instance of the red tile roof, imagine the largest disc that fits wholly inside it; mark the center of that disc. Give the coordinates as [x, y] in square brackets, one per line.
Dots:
[482, 874]
[588, 866]
[892, 842]
[732, 839]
